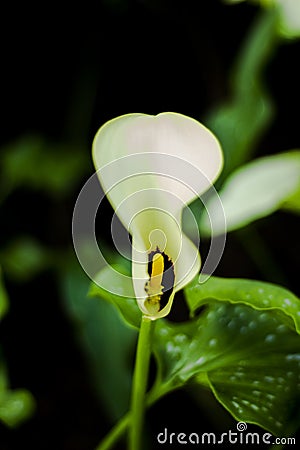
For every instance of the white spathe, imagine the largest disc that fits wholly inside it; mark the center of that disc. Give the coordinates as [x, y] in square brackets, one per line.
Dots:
[150, 168]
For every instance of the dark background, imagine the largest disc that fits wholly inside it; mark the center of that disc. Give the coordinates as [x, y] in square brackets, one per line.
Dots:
[64, 72]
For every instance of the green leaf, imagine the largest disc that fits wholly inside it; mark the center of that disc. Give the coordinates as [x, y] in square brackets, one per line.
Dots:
[256, 190]
[3, 297]
[246, 351]
[115, 279]
[261, 384]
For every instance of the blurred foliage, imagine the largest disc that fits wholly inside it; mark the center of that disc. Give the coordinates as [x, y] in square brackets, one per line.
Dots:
[50, 169]
[37, 164]
[241, 121]
[3, 298]
[106, 341]
[53, 170]
[25, 257]
[15, 405]
[256, 190]
[240, 124]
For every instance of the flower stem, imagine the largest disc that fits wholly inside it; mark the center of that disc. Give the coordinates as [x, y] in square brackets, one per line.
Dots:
[134, 418]
[115, 433]
[139, 385]
[121, 426]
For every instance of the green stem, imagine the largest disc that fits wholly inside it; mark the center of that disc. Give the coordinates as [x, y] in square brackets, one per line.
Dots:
[134, 418]
[119, 429]
[139, 385]
[115, 433]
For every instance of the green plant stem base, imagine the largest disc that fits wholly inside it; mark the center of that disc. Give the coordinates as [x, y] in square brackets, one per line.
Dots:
[135, 417]
[115, 433]
[139, 386]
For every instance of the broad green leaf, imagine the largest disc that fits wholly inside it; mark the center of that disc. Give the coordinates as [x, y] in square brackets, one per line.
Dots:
[257, 294]
[266, 397]
[242, 344]
[3, 297]
[249, 359]
[106, 340]
[256, 190]
[112, 277]
[241, 121]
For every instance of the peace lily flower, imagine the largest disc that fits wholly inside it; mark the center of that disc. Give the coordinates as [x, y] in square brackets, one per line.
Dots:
[150, 168]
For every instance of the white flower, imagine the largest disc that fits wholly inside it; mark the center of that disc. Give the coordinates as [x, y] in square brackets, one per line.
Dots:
[160, 163]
